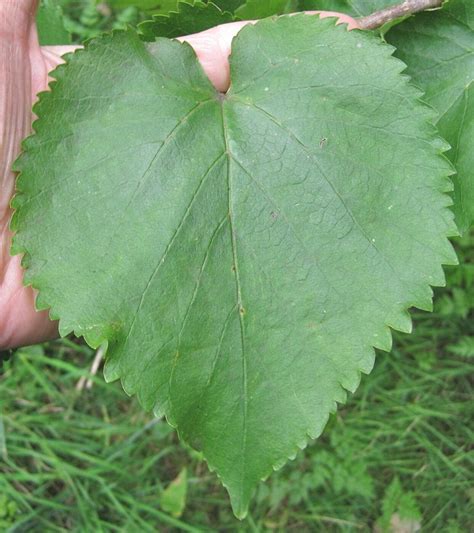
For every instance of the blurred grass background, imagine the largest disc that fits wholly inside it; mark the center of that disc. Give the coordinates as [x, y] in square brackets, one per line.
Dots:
[397, 457]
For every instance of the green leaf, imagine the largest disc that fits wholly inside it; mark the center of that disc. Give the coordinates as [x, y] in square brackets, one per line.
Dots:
[229, 5]
[257, 9]
[50, 24]
[438, 48]
[173, 499]
[400, 510]
[190, 18]
[241, 254]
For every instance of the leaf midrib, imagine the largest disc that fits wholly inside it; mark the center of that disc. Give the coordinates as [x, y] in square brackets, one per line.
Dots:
[240, 306]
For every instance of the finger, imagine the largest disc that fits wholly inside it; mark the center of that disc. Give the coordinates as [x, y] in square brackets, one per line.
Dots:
[19, 53]
[16, 18]
[29, 6]
[213, 46]
[20, 324]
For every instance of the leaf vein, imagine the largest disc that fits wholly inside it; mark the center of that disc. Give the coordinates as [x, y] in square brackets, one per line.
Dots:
[170, 244]
[240, 308]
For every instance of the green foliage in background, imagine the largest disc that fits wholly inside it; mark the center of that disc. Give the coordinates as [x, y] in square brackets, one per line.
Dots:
[51, 24]
[173, 499]
[189, 19]
[62, 21]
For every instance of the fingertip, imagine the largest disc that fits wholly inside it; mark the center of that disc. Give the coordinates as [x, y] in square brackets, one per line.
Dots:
[209, 54]
[212, 48]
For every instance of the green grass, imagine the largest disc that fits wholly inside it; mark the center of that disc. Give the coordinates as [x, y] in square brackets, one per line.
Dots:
[94, 461]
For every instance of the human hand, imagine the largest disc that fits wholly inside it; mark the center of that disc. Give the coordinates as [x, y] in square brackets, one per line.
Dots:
[24, 68]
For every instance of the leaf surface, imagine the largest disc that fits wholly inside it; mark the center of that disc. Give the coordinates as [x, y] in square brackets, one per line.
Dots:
[240, 254]
[438, 48]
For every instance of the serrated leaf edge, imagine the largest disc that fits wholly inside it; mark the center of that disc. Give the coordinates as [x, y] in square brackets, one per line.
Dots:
[384, 335]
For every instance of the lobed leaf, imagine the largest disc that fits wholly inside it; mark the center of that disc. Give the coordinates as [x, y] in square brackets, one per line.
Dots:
[240, 255]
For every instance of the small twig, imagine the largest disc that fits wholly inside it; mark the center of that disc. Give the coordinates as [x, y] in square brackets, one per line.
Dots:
[86, 381]
[95, 366]
[408, 7]
[81, 383]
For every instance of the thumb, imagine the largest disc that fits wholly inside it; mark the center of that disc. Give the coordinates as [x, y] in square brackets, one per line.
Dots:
[19, 55]
[16, 18]
[17, 32]
[212, 48]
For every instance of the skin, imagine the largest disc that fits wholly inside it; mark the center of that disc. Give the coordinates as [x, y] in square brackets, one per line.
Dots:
[24, 68]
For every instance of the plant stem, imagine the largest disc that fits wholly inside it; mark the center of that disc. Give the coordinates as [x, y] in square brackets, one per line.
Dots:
[408, 7]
